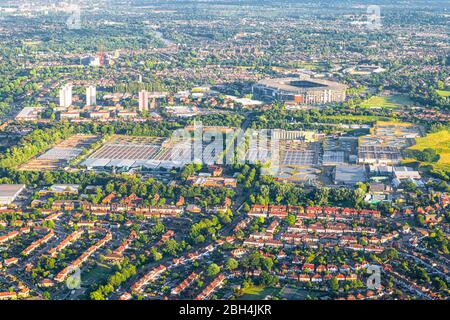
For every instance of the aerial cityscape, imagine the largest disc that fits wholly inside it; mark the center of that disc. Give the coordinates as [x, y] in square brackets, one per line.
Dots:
[224, 150]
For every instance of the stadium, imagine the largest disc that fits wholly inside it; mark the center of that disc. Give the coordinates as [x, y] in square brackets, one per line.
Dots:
[300, 90]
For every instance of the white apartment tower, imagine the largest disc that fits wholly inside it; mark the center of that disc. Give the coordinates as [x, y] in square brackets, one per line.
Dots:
[91, 96]
[143, 101]
[65, 96]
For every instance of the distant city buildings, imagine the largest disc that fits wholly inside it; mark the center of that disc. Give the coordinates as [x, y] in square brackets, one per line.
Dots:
[65, 96]
[90, 61]
[143, 101]
[91, 96]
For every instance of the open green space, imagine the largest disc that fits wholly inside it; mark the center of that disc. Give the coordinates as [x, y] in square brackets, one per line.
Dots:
[96, 274]
[258, 292]
[393, 101]
[439, 141]
[443, 93]
[349, 117]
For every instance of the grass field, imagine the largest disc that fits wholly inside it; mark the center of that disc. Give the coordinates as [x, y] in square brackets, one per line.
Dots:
[294, 293]
[258, 293]
[350, 117]
[383, 123]
[306, 65]
[288, 292]
[443, 93]
[394, 101]
[439, 141]
[97, 274]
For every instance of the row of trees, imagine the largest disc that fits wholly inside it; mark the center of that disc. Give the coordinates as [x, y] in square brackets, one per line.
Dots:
[124, 271]
[269, 191]
[33, 143]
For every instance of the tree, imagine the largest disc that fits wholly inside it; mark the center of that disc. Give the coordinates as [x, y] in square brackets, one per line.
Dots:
[97, 295]
[50, 263]
[123, 189]
[109, 187]
[290, 219]
[171, 247]
[157, 229]
[268, 280]
[187, 171]
[267, 263]
[156, 255]
[232, 264]
[51, 224]
[212, 270]
[334, 285]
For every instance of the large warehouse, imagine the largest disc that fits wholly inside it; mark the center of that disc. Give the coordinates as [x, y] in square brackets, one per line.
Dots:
[300, 90]
[9, 192]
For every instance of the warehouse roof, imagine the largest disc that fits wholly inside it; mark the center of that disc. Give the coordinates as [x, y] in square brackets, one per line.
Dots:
[10, 190]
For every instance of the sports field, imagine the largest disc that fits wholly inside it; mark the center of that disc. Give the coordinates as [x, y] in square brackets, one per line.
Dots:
[394, 101]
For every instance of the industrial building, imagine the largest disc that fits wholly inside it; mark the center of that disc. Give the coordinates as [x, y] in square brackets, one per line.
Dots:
[378, 155]
[332, 158]
[9, 192]
[29, 114]
[143, 101]
[406, 173]
[349, 174]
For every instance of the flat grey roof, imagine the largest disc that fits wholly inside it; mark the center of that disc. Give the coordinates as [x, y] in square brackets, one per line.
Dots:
[10, 190]
[350, 173]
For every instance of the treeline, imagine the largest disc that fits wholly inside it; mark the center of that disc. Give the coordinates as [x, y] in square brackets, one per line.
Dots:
[153, 192]
[33, 143]
[147, 128]
[134, 87]
[228, 120]
[277, 117]
[124, 272]
[42, 178]
[425, 155]
[268, 191]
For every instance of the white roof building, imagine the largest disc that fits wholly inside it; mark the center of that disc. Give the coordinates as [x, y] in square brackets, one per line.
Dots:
[61, 188]
[349, 174]
[9, 192]
[406, 173]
